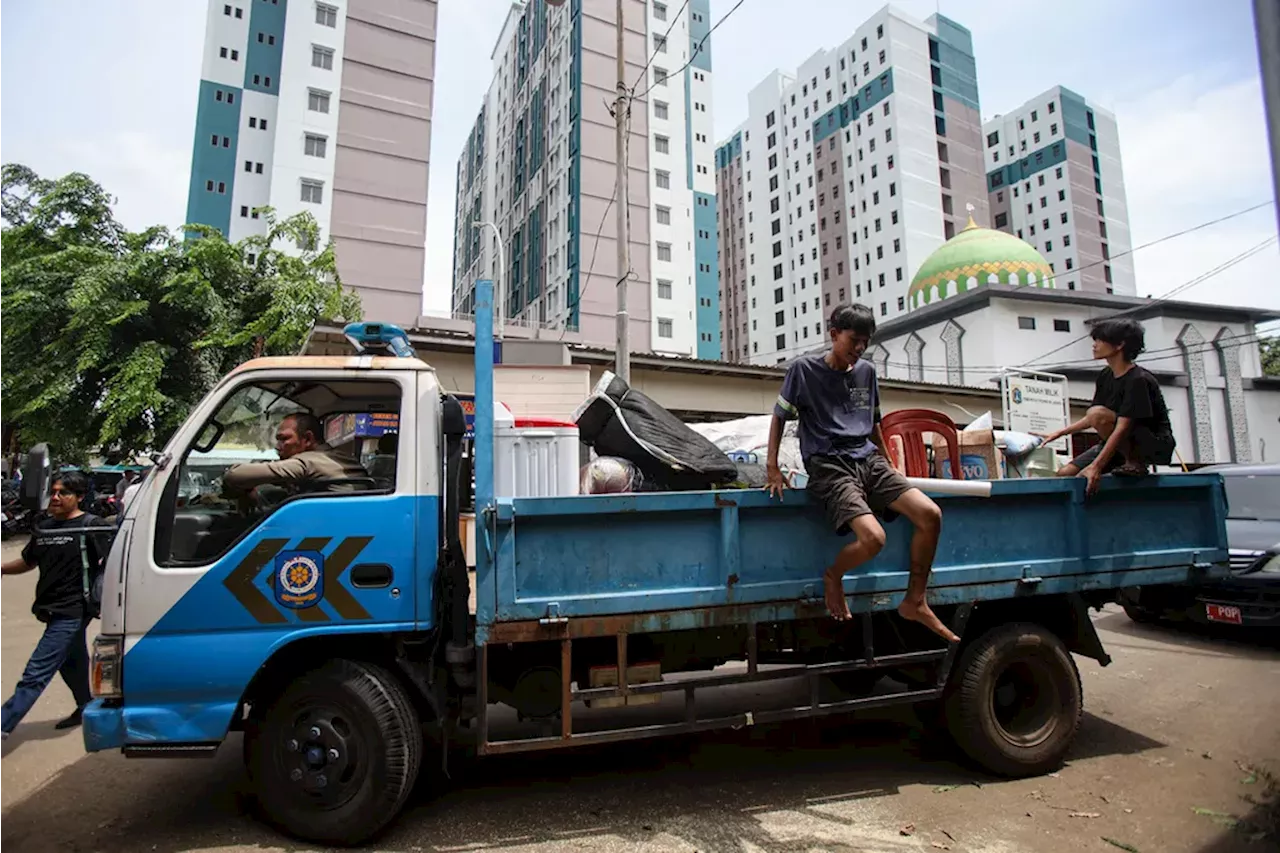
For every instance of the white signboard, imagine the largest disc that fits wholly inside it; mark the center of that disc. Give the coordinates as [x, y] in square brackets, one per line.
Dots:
[1036, 403]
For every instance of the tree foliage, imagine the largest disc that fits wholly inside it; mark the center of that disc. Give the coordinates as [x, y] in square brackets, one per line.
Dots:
[1270, 349]
[111, 336]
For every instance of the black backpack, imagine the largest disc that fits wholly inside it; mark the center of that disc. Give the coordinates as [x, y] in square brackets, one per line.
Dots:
[91, 575]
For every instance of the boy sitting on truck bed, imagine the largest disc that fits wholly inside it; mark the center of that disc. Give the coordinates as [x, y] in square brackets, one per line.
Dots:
[837, 399]
[1128, 411]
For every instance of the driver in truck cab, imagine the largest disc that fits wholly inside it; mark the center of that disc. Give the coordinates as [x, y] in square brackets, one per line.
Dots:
[304, 461]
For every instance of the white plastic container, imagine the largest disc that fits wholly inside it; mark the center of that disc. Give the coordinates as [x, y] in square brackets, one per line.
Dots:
[534, 457]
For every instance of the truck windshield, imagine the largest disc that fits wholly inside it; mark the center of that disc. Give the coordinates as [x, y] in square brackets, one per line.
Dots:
[1253, 497]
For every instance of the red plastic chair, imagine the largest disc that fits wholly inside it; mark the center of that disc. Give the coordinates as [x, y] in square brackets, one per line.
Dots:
[910, 425]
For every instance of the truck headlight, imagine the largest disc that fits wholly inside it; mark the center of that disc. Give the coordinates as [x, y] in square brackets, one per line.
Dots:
[105, 673]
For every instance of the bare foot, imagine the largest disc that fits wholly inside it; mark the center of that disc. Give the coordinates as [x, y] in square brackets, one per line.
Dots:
[920, 612]
[833, 585]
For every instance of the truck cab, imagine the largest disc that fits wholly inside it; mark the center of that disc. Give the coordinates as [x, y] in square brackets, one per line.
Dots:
[255, 574]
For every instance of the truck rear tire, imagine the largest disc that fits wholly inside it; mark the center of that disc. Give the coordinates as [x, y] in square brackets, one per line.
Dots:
[1015, 701]
[337, 753]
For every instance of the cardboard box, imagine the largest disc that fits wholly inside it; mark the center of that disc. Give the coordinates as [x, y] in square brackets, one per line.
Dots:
[979, 457]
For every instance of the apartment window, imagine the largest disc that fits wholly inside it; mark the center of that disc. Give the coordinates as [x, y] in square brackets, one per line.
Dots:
[1002, 220]
[312, 191]
[1063, 217]
[662, 144]
[884, 309]
[1062, 195]
[664, 288]
[1066, 240]
[1071, 264]
[993, 139]
[326, 16]
[1062, 325]
[1048, 245]
[1028, 323]
[1106, 270]
[267, 39]
[317, 101]
[661, 109]
[662, 179]
[663, 215]
[660, 11]
[315, 146]
[659, 43]
[664, 327]
[659, 76]
[901, 303]
[664, 251]
[1057, 173]
[321, 57]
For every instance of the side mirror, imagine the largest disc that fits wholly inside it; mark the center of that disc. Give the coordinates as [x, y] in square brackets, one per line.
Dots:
[35, 479]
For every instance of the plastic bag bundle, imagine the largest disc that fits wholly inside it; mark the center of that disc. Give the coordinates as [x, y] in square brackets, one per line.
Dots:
[610, 475]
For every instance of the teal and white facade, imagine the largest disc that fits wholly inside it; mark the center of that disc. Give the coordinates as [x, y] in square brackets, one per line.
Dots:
[846, 175]
[540, 165]
[1055, 180]
[325, 108]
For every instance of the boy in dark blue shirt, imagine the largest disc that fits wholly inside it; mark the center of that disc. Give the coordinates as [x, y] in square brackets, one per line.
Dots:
[837, 400]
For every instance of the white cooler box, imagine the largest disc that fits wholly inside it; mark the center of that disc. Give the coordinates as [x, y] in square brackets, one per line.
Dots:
[534, 457]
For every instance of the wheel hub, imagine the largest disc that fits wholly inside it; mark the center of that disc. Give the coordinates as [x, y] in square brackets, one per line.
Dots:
[1024, 700]
[320, 757]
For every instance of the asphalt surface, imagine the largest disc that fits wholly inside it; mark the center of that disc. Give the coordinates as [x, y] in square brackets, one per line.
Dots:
[1163, 762]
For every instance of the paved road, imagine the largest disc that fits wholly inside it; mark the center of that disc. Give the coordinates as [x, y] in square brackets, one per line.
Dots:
[1167, 725]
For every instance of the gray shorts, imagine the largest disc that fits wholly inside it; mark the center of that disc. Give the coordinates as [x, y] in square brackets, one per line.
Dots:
[849, 488]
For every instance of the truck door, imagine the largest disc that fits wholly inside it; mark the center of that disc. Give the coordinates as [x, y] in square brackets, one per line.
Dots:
[219, 581]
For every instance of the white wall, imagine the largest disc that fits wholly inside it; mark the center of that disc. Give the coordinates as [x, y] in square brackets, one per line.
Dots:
[993, 339]
[230, 32]
[257, 146]
[293, 119]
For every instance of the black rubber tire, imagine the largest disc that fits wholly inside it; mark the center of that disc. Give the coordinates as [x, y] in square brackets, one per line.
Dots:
[1022, 661]
[1141, 615]
[379, 720]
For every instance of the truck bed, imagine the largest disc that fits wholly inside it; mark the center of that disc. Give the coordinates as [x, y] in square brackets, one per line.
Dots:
[693, 559]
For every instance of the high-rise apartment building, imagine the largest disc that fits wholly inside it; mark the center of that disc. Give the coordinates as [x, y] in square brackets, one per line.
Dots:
[1055, 180]
[844, 178]
[323, 107]
[539, 165]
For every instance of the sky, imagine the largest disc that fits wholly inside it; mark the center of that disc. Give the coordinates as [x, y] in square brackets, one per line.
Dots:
[113, 94]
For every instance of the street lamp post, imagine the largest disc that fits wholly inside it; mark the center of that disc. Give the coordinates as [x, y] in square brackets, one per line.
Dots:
[497, 278]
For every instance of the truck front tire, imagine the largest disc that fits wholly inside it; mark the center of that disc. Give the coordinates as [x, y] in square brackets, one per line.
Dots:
[337, 753]
[1015, 701]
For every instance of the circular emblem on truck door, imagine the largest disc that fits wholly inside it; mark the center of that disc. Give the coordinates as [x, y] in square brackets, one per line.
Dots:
[299, 579]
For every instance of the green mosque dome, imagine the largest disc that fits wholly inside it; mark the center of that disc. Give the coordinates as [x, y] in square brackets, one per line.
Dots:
[974, 257]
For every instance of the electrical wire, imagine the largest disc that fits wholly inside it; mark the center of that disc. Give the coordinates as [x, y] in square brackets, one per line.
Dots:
[665, 38]
[1173, 236]
[696, 49]
[992, 369]
[1182, 288]
[1175, 351]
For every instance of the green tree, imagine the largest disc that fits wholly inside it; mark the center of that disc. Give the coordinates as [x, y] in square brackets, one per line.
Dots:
[111, 336]
[1270, 349]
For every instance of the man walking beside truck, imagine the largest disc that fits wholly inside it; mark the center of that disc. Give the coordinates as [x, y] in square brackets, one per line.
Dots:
[67, 558]
[836, 397]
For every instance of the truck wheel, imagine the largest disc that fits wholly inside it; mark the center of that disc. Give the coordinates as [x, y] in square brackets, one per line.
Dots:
[1016, 700]
[1141, 615]
[337, 753]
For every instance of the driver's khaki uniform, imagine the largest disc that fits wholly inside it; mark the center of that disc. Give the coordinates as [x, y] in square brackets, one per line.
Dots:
[310, 466]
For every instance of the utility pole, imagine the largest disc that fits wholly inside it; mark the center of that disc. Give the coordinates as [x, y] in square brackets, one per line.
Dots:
[1266, 23]
[622, 105]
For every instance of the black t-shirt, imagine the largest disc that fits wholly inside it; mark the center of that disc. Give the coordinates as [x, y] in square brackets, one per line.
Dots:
[1134, 395]
[55, 548]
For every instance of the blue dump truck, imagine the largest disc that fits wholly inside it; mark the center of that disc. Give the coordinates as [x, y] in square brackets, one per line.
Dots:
[334, 630]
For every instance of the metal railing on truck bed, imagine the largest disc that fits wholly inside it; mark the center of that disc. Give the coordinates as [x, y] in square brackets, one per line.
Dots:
[560, 570]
